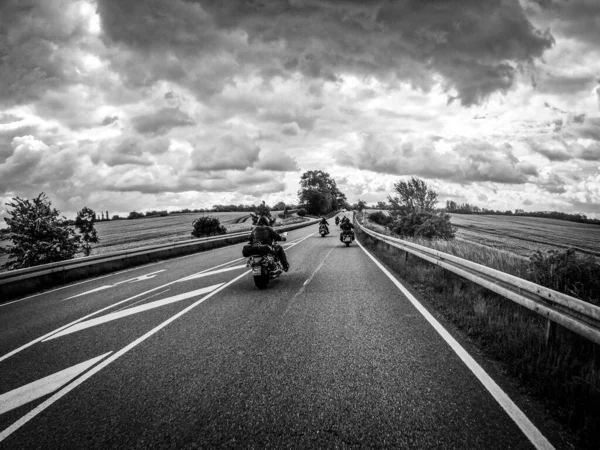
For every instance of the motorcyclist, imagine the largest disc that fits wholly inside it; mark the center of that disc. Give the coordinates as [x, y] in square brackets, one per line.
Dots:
[324, 222]
[346, 227]
[337, 220]
[264, 234]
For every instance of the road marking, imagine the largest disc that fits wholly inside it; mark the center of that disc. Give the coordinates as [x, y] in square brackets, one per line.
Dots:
[148, 276]
[522, 421]
[143, 299]
[130, 311]
[47, 385]
[81, 282]
[206, 274]
[26, 418]
[35, 341]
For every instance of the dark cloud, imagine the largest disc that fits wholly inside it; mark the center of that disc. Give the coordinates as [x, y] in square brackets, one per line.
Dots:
[470, 161]
[577, 19]
[161, 121]
[109, 119]
[35, 44]
[476, 48]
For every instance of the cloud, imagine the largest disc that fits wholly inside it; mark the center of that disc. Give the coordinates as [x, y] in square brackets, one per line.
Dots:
[290, 129]
[469, 160]
[7, 136]
[109, 120]
[129, 149]
[475, 48]
[276, 161]
[237, 153]
[161, 121]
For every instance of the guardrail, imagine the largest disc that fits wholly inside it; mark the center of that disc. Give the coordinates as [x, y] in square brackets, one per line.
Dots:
[578, 316]
[15, 283]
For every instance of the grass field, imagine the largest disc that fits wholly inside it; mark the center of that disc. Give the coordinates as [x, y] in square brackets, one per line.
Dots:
[523, 235]
[119, 235]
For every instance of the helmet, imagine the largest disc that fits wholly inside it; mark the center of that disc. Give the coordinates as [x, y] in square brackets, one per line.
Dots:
[263, 221]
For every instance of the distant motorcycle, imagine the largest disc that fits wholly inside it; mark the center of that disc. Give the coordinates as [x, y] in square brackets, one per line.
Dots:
[347, 237]
[323, 230]
[265, 265]
[337, 220]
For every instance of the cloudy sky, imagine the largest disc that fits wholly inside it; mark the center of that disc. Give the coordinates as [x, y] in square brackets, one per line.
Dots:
[167, 104]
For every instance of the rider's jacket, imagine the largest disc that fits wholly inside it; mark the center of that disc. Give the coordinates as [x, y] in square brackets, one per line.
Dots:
[346, 225]
[323, 222]
[264, 235]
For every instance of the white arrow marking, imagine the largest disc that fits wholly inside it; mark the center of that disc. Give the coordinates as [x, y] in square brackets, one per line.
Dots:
[130, 311]
[206, 274]
[45, 386]
[148, 276]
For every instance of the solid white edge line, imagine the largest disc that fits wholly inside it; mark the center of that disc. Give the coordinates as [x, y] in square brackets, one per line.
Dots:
[26, 418]
[520, 419]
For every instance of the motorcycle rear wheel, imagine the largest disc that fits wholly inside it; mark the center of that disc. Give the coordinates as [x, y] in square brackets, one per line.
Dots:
[261, 281]
[347, 244]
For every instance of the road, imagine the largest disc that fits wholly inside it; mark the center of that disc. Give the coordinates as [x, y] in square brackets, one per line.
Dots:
[187, 353]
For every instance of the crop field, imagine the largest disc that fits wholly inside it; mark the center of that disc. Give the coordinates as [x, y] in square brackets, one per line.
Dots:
[523, 235]
[119, 235]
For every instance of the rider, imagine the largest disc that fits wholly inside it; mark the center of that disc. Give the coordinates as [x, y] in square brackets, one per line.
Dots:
[264, 234]
[337, 220]
[324, 222]
[346, 227]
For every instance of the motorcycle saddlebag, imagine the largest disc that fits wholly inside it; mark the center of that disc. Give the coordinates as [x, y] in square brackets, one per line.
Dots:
[256, 249]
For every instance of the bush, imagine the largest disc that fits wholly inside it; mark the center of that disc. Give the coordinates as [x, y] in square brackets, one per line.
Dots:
[37, 233]
[380, 218]
[301, 212]
[424, 225]
[207, 226]
[568, 272]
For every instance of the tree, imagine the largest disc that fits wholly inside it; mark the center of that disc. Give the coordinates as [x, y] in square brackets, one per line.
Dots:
[413, 196]
[37, 233]
[413, 212]
[319, 193]
[85, 224]
[207, 226]
[280, 206]
[361, 205]
[135, 215]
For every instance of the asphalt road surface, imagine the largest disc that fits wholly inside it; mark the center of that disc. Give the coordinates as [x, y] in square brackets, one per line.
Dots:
[187, 353]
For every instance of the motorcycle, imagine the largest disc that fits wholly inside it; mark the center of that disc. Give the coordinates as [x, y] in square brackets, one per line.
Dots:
[337, 220]
[264, 263]
[347, 237]
[323, 230]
